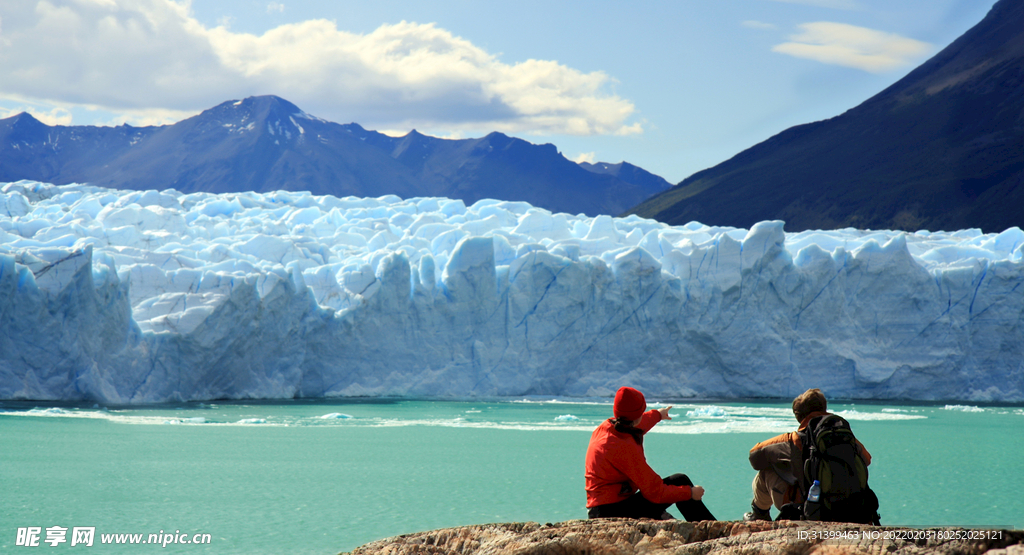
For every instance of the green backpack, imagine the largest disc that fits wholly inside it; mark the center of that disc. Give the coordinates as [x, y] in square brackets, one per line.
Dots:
[832, 456]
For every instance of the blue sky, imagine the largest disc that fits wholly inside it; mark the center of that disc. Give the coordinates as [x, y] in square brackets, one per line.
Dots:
[671, 86]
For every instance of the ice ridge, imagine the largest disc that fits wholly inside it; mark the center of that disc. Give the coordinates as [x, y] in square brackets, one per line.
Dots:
[153, 296]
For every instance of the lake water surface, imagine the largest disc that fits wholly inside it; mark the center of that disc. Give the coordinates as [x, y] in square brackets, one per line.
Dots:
[324, 477]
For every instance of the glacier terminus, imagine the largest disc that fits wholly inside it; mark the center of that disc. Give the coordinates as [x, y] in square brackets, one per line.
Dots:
[129, 297]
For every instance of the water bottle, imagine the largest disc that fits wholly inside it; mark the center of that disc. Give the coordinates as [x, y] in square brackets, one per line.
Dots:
[814, 494]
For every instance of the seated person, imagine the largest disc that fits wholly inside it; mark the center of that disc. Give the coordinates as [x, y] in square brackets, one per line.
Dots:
[779, 462]
[619, 481]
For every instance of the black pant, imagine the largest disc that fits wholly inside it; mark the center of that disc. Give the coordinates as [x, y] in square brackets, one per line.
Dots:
[638, 506]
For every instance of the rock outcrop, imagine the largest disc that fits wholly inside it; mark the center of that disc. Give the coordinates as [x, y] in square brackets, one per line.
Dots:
[625, 536]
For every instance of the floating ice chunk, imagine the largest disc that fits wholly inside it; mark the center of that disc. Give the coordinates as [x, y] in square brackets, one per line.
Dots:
[252, 421]
[854, 414]
[709, 411]
[51, 410]
[964, 408]
[193, 420]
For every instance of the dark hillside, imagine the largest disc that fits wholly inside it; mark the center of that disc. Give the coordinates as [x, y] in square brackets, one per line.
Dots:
[943, 148]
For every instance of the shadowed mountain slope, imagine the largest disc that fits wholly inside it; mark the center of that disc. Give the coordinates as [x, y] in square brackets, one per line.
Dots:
[943, 148]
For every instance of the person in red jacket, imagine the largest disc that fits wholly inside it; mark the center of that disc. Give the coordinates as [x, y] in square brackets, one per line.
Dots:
[619, 481]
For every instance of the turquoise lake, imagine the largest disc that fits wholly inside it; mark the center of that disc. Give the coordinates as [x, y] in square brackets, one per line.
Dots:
[324, 477]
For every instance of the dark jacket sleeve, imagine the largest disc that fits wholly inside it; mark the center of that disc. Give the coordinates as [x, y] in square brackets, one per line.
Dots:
[761, 454]
[779, 454]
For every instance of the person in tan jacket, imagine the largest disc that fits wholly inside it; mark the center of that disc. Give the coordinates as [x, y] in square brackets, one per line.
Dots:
[779, 461]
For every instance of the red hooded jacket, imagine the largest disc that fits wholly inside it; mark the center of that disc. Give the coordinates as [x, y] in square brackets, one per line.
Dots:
[616, 467]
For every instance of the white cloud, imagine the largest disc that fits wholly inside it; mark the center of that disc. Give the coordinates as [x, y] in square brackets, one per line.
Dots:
[454, 135]
[634, 129]
[54, 116]
[150, 116]
[133, 56]
[275, 7]
[393, 132]
[850, 46]
[587, 157]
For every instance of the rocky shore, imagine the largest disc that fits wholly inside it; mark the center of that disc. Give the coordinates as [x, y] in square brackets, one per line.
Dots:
[624, 536]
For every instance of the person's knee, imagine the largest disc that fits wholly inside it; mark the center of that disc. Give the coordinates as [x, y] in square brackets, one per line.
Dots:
[770, 489]
[763, 498]
[678, 480]
[762, 482]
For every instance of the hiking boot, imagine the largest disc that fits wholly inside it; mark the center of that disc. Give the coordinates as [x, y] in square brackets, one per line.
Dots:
[757, 514]
[665, 515]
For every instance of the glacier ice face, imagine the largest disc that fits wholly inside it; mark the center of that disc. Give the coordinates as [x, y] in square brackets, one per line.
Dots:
[141, 297]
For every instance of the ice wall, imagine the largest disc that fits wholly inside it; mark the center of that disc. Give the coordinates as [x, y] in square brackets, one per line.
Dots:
[139, 297]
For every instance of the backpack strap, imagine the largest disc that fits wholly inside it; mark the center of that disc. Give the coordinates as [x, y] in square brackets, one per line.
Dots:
[806, 442]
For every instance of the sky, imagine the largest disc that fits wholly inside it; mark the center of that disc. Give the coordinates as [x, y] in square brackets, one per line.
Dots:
[672, 86]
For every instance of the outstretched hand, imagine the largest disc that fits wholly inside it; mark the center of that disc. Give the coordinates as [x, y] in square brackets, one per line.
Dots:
[664, 413]
[696, 492]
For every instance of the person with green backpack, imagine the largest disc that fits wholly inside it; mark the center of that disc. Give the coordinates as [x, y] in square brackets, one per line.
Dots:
[823, 450]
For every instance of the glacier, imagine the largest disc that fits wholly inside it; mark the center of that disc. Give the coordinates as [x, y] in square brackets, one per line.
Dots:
[132, 297]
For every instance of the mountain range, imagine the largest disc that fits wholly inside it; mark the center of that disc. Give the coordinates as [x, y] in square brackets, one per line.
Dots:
[942, 148]
[266, 143]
